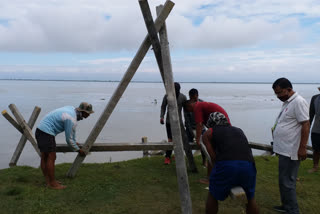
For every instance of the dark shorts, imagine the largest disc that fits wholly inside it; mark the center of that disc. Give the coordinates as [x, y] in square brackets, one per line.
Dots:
[46, 142]
[169, 133]
[315, 139]
[228, 174]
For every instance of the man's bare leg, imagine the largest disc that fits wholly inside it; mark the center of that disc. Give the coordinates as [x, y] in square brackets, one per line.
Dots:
[316, 157]
[50, 170]
[212, 205]
[43, 165]
[252, 207]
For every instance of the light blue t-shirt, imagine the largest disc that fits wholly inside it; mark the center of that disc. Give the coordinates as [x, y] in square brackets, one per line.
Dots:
[59, 120]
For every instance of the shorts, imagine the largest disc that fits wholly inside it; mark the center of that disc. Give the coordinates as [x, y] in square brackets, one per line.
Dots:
[315, 139]
[46, 142]
[169, 133]
[228, 174]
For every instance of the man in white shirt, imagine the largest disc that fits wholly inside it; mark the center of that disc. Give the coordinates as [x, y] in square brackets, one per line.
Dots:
[290, 137]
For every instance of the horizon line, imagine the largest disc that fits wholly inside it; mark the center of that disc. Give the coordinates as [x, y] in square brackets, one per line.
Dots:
[143, 81]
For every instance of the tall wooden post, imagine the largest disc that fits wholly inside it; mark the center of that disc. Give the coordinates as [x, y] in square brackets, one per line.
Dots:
[120, 89]
[182, 177]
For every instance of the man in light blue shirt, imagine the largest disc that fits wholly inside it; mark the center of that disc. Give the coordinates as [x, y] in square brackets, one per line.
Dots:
[60, 120]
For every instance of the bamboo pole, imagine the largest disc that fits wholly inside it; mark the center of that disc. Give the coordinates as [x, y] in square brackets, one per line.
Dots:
[26, 129]
[23, 139]
[120, 89]
[182, 178]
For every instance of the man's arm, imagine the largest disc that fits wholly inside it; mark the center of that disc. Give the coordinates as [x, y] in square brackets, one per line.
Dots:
[302, 152]
[311, 110]
[206, 138]
[199, 128]
[163, 109]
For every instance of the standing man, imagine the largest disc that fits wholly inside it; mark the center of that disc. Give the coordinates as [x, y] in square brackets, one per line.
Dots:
[314, 113]
[290, 137]
[190, 122]
[62, 119]
[202, 111]
[181, 99]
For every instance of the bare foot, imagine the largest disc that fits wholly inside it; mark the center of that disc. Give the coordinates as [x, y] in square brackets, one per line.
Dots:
[313, 170]
[56, 185]
[59, 186]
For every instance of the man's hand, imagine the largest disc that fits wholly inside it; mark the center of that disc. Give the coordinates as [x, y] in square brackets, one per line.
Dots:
[161, 121]
[81, 152]
[302, 153]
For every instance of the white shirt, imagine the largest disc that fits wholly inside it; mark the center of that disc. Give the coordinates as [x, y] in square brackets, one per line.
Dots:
[287, 133]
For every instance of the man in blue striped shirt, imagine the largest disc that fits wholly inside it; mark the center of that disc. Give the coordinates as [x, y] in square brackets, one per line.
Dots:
[60, 120]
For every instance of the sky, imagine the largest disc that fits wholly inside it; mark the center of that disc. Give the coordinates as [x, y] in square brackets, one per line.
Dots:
[209, 40]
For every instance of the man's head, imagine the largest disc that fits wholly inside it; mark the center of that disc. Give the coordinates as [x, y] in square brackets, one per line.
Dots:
[193, 94]
[217, 119]
[319, 88]
[85, 108]
[282, 87]
[189, 105]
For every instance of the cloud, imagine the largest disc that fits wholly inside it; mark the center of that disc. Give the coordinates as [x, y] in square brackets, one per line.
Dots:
[82, 26]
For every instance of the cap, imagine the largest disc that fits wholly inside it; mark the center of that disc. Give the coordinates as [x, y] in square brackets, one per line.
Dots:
[86, 107]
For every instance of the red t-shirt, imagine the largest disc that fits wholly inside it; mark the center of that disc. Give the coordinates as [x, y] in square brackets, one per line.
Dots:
[202, 111]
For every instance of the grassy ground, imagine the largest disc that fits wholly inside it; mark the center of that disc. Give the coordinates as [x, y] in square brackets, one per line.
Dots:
[139, 186]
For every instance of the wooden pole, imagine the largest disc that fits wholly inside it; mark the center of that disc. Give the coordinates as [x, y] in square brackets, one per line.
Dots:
[153, 33]
[23, 139]
[120, 89]
[26, 129]
[11, 120]
[157, 51]
[182, 177]
[144, 140]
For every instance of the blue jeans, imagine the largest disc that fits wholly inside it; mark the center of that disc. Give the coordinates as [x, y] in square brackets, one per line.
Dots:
[288, 172]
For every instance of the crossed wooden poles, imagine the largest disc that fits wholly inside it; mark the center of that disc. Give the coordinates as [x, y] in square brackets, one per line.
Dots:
[162, 53]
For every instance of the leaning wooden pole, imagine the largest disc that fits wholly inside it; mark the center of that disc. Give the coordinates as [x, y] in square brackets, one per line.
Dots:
[120, 89]
[153, 33]
[23, 139]
[26, 129]
[182, 177]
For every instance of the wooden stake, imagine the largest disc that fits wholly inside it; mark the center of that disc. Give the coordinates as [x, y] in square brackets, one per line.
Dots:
[26, 129]
[23, 139]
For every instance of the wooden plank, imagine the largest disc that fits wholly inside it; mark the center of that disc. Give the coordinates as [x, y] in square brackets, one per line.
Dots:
[182, 177]
[153, 33]
[120, 89]
[11, 120]
[23, 139]
[26, 129]
[109, 147]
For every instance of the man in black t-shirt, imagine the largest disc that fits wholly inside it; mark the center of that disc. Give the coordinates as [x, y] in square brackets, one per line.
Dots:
[233, 163]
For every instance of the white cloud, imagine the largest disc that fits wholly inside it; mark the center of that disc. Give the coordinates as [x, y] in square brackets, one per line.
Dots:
[81, 26]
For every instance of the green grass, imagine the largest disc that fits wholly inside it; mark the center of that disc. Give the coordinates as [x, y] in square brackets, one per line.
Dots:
[139, 186]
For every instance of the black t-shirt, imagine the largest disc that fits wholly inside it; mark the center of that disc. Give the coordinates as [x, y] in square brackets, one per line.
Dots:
[230, 143]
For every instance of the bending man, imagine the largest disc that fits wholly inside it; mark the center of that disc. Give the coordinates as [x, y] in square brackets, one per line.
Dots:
[233, 163]
[62, 119]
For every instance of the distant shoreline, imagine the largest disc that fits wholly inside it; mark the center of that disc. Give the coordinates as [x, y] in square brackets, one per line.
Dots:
[140, 81]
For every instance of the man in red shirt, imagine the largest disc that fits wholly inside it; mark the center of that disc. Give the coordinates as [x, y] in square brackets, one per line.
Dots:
[202, 111]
